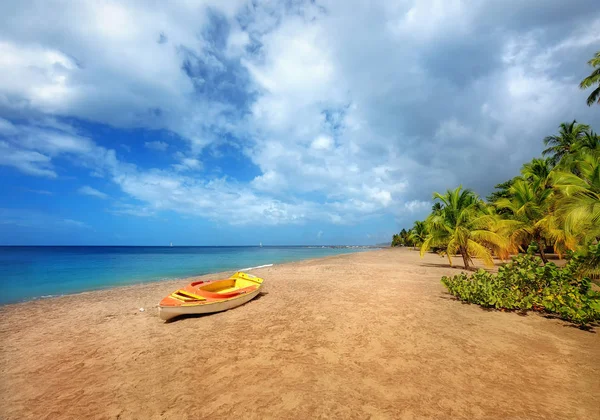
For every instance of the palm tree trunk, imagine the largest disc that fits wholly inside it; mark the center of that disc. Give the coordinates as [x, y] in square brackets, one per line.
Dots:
[541, 245]
[465, 257]
[543, 254]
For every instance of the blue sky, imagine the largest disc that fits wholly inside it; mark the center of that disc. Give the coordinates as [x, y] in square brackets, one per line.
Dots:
[233, 122]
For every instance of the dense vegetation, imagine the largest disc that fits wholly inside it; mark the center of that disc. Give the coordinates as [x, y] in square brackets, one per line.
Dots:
[553, 205]
[526, 284]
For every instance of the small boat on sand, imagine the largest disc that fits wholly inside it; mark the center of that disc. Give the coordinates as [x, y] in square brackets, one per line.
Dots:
[204, 297]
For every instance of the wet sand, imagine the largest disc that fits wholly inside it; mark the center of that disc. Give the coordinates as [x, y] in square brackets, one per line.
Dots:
[367, 335]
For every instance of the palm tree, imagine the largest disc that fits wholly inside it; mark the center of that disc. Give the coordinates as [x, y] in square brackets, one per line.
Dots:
[464, 226]
[578, 197]
[537, 172]
[593, 79]
[589, 257]
[405, 238]
[418, 233]
[528, 205]
[436, 208]
[563, 143]
[589, 144]
[503, 191]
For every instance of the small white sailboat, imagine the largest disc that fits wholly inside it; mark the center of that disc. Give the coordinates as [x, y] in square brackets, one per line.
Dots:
[260, 245]
[171, 245]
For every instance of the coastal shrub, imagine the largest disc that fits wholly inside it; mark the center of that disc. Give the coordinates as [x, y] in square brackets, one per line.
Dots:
[526, 284]
[589, 261]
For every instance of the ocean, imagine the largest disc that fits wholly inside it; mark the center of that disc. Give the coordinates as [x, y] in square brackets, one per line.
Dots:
[41, 271]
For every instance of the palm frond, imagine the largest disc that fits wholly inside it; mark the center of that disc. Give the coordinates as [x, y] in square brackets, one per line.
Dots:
[594, 96]
[481, 252]
[593, 79]
[426, 245]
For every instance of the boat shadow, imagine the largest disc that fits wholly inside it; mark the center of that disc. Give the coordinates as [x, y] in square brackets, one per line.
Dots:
[193, 316]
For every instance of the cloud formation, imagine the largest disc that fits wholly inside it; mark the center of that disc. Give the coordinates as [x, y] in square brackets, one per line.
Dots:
[159, 146]
[347, 111]
[87, 190]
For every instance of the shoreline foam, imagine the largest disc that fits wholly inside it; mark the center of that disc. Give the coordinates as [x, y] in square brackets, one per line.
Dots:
[257, 267]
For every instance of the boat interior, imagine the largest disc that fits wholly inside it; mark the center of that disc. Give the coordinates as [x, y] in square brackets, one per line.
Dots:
[205, 291]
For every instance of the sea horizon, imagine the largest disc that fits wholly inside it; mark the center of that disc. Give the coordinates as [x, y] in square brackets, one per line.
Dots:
[29, 272]
[195, 246]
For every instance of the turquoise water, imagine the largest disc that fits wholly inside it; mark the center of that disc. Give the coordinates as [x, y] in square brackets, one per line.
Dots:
[32, 272]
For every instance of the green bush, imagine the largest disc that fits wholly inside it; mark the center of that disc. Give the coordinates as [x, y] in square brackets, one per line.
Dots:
[526, 284]
[588, 259]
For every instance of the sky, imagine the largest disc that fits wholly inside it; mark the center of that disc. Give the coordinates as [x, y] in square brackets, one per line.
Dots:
[226, 122]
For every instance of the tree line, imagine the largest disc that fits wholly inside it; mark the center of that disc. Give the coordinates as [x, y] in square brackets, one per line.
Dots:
[552, 205]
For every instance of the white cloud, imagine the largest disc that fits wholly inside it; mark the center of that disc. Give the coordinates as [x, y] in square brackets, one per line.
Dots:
[103, 62]
[427, 19]
[76, 223]
[416, 206]
[87, 190]
[26, 161]
[270, 181]
[44, 75]
[132, 210]
[34, 148]
[39, 220]
[322, 143]
[453, 129]
[6, 127]
[188, 164]
[347, 111]
[170, 191]
[159, 146]
[236, 42]
[40, 192]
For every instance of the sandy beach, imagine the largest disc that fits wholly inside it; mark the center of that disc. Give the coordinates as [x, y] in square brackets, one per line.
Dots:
[366, 335]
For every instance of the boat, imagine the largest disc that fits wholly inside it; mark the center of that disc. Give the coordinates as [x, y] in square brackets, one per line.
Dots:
[205, 297]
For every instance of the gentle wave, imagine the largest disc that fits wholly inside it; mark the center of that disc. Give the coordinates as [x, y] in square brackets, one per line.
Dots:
[254, 268]
[47, 296]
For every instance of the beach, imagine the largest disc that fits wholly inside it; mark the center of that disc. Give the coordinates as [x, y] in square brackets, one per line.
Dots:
[365, 335]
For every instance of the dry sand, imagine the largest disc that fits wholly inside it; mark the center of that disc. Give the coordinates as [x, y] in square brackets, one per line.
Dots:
[368, 335]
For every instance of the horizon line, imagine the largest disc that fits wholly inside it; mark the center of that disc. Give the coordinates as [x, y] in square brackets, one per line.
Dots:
[199, 246]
